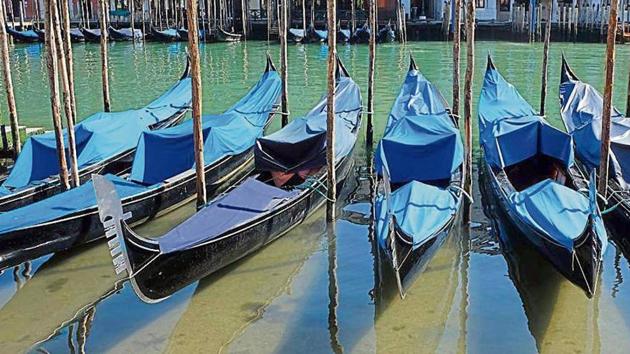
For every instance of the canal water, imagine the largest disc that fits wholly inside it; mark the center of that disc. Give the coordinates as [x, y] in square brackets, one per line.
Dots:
[316, 289]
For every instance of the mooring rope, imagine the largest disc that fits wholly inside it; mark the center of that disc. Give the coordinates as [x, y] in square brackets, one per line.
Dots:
[315, 184]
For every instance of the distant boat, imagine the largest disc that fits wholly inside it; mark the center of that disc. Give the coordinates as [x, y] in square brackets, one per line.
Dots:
[361, 35]
[28, 36]
[76, 35]
[223, 36]
[581, 112]
[343, 35]
[183, 34]
[161, 179]
[420, 162]
[167, 35]
[124, 34]
[386, 34]
[532, 174]
[286, 188]
[91, 35]
[105, 143]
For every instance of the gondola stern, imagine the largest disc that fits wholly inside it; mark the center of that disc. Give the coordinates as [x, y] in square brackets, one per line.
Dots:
[587, 258]
[341, 69]
[186, 73]
[566, 74]
[490, 63]
[412, 63]
[270, 66]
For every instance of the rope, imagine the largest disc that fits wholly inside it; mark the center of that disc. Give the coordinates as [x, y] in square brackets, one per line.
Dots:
[314, 184]
[458, 188]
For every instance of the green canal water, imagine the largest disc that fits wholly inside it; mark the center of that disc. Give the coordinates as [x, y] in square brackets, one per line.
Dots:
[316, 289]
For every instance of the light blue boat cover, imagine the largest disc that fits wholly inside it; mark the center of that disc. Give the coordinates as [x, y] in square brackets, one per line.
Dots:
[246, 202]
[82, 198]
[302, 143]
[322, 34]
[558, 212]
[168, 152]
[511, 131]
[419, 133]
[581, 112]
[63, 204]
[296, 32]
[98, 137]
[421, 144]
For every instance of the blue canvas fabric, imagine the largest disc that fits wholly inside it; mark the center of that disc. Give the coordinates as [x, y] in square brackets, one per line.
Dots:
[302, 143]
[168, 152]
[323, 35]
[63, 204]
[24, 35]
[98, 137]
[296, 32]
[581, 112]
[421, 144]
[420, 133]
[420, 209]
[556, 210]
[246, 202]
[511, 131]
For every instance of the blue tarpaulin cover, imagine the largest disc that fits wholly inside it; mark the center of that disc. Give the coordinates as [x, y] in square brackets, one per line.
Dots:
[168, 152]
[511, 131]
[243, 203]
[556, 211]
[296, 32]
[69, 202]
[28, 34]
[581, 112]
[421, 144]
[420, 133]
[98, 137]
[63, 204]
[302, 143]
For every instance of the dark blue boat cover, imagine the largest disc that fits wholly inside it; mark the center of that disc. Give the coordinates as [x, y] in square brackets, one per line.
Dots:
[246, 202]
[581, 112]
[98, 137]
[63, 205]
[421, 144]
[511, 131]
[169, 32]
[126, 32]
[168, 152]
[420, 133]
[302, 143]
[28, 35]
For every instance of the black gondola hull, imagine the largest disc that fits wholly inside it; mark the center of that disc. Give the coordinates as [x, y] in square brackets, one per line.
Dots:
[587, 253]
[117, 164]
[20, 37]
[91, 36]
[168, 273]
[223, 36]
[85, 226]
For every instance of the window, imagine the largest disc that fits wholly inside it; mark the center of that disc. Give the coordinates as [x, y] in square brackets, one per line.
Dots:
[504, 5]
[480, 4]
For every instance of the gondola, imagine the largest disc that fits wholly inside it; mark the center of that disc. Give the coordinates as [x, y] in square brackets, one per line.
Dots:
[581, 110]
[343, 35]
[247, 217]
[296, 35]
[41, 34]
[167, 35]
[361, 35]
[105, 143]
[223, 36]
[76, 35]
[124, 34]
[536, 183]
[161, 178]
[91, 35]
[386, 34]
[183, 34]
[28, 36]
[417, 205]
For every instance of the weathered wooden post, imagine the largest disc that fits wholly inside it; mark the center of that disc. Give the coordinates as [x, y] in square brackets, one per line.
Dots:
[284, 70]
[244, 17]
[51, 64]
[132, 10]
[8, 85]
[67, 50]
[65, 88]
[369, 139]
[456, 54]
[468, 87]
[353, 16]
[543, 90]
[304, 16]
[195, 65]
[602, 184]
[331, 6]
[628, 98]
[446, 22]
[104, 57]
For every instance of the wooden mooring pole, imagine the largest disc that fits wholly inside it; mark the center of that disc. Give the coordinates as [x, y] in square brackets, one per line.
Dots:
[67, 50]
[331, 7]
[602, 184]
[51, 64]
[456, 54]
[468, 87]
[369, 139]
[104, 57]
[8, 84]
[244, 17]
[543, 90]
[353, 16]
[65, 90]
[304, 16]
[284, 74]
[195, 65]
[628, 97]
